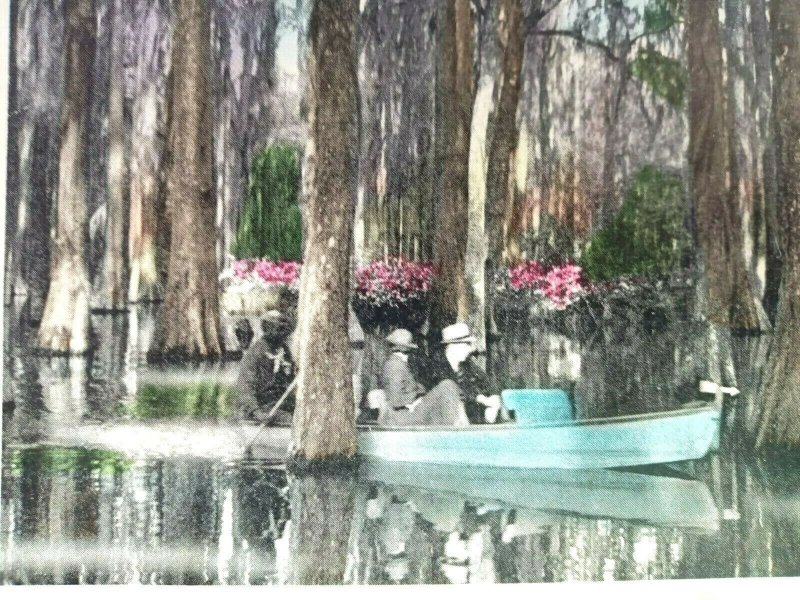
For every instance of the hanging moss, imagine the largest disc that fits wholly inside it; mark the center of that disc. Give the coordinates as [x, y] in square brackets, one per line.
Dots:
[665, 76]
[270, 225]
[648, 235]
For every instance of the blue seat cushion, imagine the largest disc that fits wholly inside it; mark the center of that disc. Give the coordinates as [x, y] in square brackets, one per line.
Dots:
[538, 406]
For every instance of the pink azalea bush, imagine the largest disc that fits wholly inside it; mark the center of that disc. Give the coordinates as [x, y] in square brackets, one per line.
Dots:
[393, 281]
[559, 285]
[250, 273]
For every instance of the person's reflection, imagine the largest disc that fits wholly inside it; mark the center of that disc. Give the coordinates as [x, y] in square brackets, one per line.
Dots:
[318, 535]
[469, 549]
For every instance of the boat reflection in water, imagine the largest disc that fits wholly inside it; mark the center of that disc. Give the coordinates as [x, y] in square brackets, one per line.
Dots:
[81, 516]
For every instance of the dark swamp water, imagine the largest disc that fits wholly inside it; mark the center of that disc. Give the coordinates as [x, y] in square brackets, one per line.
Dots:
[81, 515]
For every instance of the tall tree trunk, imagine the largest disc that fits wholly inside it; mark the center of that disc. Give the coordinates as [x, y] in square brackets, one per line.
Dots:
[740, 125]
[454, 108]
[147, 221]
[501, 188]
[190, 317]
[114, 295]
[65, 323]
[729, 299]
[616, 83]
[39, 55]
[767, 155]
[324, 423]
[779, 422]
[12, 164]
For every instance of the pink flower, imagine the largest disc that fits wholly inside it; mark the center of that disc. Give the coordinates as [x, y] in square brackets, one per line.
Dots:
[393, 281]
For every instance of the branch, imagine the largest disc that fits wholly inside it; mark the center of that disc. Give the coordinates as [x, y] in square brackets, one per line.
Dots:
[644, 34]
[578, 37]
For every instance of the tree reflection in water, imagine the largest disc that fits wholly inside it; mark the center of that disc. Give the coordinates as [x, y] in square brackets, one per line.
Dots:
[319, 531]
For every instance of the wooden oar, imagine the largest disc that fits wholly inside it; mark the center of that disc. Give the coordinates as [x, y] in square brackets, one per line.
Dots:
[271, 414]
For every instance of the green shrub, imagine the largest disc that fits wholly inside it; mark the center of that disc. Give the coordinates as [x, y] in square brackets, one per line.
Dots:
[648, 235]
[270, 223]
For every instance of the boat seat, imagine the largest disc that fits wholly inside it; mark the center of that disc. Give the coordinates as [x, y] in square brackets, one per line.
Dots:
[538, 406]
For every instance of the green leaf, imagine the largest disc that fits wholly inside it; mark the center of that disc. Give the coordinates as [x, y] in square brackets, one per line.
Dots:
[660, 15]
[665, 76]
[648, 235]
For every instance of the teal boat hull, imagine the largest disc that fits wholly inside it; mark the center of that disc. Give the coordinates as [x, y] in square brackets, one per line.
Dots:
[637, 440]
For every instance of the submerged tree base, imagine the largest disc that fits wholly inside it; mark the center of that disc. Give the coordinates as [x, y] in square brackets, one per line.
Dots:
[337, 465]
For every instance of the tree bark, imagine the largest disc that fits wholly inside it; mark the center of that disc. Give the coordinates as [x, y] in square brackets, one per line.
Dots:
[65, 323]
[324, 423]
[12, 164]
[729, 299]
[147, 218]
[454, 111]
[501, 186]
[767, 155]
[39, 55]
[114, 275]
[189, 324]
[779, 422]
[740, 129]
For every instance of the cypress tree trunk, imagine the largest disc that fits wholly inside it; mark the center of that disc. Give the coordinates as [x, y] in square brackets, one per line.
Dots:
[501, 186]
[190, 317]
[767, 155]
[65, 323]
[147, 220]
[730, 299]
[39, 54]
[454, 119]
[324, 424]
[12, 165]
[779, 422]
[114, 295]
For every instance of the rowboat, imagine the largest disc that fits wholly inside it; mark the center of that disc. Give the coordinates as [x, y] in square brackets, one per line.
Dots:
[543, 436]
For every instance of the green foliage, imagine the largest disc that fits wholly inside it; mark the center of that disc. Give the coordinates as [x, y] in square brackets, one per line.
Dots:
[666, 76]
[270, 223]
[205, 399]
[661, 15]
[648, 235]
[55, 460]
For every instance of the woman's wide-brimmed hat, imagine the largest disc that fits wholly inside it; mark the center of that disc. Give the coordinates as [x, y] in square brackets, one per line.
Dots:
[457, 333]
[401, 339]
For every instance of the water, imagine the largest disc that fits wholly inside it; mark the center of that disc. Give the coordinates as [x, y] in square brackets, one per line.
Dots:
[79, 515]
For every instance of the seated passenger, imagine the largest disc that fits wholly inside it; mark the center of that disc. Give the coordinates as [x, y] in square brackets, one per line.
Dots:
[266, 371]
[480, 402]
[407, 403]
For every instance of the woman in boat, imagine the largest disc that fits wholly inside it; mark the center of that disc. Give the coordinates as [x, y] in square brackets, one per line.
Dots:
[406, 401]
[481, 401]
[265, 373]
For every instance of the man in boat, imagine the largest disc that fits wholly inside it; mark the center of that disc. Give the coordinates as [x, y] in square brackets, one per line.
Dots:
[481, 401]
[266, 372]
[406, 401]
